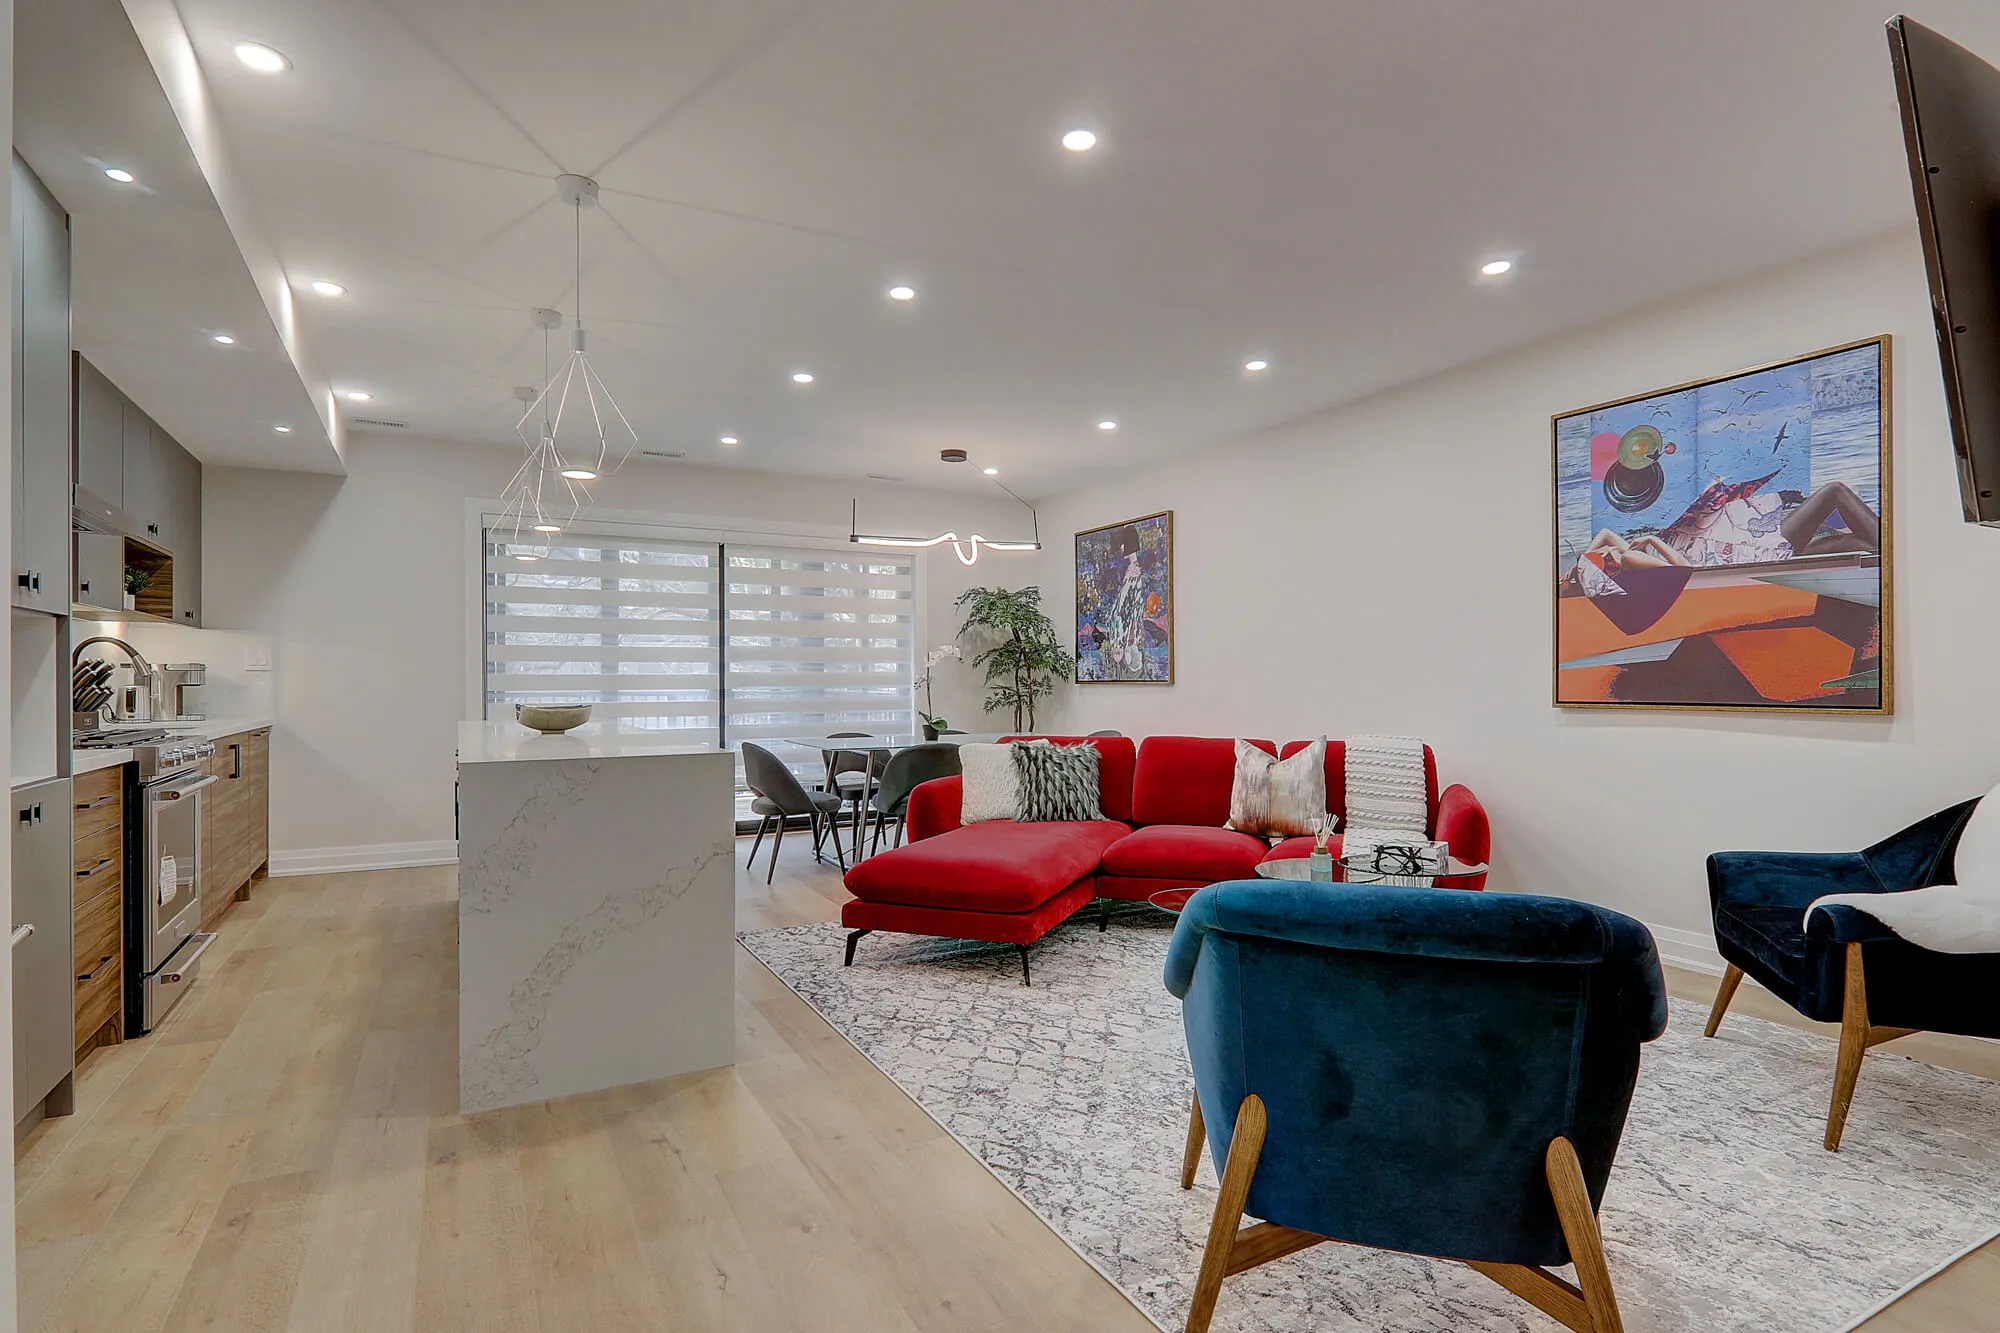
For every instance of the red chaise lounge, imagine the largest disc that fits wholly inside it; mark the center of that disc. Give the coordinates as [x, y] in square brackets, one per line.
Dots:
[1165, 802]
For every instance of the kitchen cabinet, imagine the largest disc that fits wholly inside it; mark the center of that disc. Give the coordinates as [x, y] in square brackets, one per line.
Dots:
[135, 479]
[97, 930]
[42, 397]
[235, 821]
[44, 1049]
[100, 570]
[100, 434]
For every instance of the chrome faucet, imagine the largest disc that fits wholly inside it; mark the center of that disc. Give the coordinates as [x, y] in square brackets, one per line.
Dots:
[145, 676]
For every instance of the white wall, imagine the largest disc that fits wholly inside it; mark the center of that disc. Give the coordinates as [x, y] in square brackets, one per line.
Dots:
[1387, 567]
[362, 587]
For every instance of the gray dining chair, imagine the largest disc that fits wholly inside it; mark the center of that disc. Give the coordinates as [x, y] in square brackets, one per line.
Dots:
[780, 796]
[906, 771]
[848, 773]
[1107, 733]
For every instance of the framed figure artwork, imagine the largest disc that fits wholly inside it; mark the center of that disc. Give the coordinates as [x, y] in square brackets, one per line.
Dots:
[1125, 602]
[1725, 545]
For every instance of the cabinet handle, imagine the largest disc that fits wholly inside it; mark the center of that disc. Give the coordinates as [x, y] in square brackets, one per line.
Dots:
[236, 754]
[36, 582]
[86, 874]
[92, 974]
[21, 933]
[153, 528]
[21, 580]
[85, 586]
[102, 800]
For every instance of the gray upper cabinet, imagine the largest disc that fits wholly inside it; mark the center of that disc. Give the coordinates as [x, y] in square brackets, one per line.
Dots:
[42, 397]
[100, 435]
[183, 531]
[145, 476]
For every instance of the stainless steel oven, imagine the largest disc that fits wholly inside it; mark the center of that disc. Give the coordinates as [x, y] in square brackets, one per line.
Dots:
[168, 912]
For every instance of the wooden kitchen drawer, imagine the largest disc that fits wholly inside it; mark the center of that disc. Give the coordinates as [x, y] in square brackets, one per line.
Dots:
[100, 802]
[99, 866]
[99, 948]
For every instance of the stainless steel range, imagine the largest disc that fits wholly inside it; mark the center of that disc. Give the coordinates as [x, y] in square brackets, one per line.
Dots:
[163, 898]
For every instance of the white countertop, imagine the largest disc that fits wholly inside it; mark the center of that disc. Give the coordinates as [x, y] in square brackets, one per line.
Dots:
[510, 742]
[208, 729]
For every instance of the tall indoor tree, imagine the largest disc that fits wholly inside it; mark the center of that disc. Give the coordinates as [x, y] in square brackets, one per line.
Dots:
[1022, 657]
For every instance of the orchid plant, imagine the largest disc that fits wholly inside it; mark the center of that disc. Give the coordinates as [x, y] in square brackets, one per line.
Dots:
[936, 655]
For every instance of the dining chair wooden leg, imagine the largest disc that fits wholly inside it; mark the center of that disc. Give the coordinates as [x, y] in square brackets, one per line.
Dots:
[1724, 993]
[1246, 1146]
[1580, 1229]
[1197, 1135]
[776, 842]
[1854, 1045]
[762, 824]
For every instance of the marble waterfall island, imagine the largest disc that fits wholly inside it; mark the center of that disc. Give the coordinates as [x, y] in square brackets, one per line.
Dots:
[596, 912]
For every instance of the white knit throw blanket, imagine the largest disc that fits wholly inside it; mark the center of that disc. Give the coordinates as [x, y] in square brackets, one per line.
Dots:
[1386, 797]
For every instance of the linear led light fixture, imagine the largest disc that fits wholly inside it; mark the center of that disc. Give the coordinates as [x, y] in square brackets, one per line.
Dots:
[965, 548]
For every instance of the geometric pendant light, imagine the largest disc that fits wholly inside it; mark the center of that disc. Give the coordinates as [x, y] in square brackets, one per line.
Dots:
[582, 428]
[543, 497]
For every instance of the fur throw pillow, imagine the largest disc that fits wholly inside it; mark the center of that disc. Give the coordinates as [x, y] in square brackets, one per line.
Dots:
[1269, 797]
[1057, 782]
[990, 789]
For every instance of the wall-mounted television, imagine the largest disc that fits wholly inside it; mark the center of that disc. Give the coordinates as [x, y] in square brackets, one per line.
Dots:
[1951, 126]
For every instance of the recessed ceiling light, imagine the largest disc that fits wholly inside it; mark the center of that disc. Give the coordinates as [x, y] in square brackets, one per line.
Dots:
[1079, 141]
[1254, 366]
[1493, 268]
[547, 527]
[580, 473]
[1107, 425]
[282, 430]
[119, 174]
[991, 471]
[902, 292]
[802, 377]
[357, 396]
[262, 58]
[730, 440]
[329, 289]
[225, 340]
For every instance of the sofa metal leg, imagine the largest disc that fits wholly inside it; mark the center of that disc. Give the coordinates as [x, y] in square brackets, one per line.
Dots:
[1025, 980]
[1103, 915]
[1724, 993]
[854, 938]
[1197, 1134]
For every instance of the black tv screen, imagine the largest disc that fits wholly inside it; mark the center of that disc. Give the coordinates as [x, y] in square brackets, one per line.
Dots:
[1951, 127]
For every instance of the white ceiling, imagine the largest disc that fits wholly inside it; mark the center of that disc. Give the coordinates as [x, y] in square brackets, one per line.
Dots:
[1310, 180]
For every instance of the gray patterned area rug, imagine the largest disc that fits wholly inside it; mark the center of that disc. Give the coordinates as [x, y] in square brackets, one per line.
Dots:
[1723, 1210]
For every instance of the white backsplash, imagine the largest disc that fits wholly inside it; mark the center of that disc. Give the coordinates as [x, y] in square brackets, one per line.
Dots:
[233, 690]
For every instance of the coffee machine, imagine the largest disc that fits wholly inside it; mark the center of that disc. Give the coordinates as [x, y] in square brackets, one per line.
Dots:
[177, 680]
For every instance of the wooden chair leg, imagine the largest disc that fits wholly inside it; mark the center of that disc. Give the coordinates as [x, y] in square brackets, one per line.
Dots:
[1724, 993]
[1853, 1045]
[1586, 1242]
[1245, 1147]
[1191, 1156]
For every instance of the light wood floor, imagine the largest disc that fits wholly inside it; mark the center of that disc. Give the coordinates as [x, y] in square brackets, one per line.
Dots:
[284, 1155]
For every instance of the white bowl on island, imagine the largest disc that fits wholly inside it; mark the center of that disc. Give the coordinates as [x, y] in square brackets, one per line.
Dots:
[551, 719]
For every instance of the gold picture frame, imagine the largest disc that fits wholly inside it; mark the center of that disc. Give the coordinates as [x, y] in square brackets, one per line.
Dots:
[1796, 609]
[1148, 574]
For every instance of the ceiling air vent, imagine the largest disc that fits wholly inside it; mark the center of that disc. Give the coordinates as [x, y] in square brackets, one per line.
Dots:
[662, 453]
[378, 423]
[882, 476]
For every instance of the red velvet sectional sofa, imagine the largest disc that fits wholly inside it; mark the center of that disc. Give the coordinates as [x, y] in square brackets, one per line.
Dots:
[1165, 802]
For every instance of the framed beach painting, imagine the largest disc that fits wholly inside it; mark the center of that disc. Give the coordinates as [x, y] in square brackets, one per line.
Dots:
[1725, 545]
[1125, 602]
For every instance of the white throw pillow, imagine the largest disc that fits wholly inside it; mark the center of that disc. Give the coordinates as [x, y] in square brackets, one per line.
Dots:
[990, 790]
[1977, 861]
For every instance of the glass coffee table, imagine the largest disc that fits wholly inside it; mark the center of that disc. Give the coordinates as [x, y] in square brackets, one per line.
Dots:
[1300, 868]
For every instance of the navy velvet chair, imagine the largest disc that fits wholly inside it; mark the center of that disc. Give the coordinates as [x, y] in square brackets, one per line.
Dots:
[1440, 1073]
[1843, 966]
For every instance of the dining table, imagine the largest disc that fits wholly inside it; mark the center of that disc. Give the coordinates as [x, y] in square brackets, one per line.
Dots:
[871, 746]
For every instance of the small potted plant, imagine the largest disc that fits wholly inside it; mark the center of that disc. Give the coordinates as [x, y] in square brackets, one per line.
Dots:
[934, 726]
[136, 582]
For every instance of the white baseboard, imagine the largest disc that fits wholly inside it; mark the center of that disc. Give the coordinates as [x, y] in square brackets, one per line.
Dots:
[379, 856]
[1693, 950]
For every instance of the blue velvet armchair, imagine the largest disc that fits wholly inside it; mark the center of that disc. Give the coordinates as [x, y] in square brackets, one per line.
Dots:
[1843, 966]
[1440, 1073]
